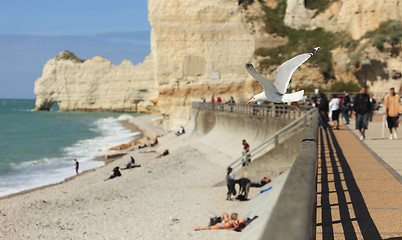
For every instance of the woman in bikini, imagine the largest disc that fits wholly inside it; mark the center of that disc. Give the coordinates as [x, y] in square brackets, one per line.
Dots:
[229, 223]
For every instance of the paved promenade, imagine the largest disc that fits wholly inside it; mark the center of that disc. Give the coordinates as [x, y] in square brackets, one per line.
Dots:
[359, 184]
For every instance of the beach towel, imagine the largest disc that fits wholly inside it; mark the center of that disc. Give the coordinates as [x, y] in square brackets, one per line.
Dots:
[247, 222]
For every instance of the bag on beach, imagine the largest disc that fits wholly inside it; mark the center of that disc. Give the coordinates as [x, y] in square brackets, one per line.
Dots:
[214, 220]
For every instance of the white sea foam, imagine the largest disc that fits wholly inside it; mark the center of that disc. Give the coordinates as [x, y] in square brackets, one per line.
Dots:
[40, 172]
[30, 164]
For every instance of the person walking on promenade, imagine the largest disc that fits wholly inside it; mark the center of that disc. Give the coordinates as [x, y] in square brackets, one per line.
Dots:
[392, 109]
[362, 110]
[373, 106]
[346, 106]
[231, 103]
[230, 183]
[334, 108]
[77, 166]
[323, 110]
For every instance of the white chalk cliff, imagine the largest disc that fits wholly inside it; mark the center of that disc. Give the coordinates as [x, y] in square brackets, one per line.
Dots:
[199, 48]
[95, 85]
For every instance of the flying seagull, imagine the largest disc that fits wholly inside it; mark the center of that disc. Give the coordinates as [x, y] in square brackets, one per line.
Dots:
[276, 92]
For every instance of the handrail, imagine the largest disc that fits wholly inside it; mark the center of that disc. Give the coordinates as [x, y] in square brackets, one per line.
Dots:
[294, 215]
[273, 141]
[263, 110]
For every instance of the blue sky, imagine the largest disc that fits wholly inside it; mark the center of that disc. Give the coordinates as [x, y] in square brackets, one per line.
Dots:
[32, 32]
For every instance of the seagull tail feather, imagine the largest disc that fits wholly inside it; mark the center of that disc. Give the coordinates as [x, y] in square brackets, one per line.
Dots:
[293, 97]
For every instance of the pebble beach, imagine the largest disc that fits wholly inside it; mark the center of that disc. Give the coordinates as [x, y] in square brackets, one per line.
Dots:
[165, 198]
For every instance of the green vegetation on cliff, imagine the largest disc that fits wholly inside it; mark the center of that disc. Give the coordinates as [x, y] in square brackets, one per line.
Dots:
[67, 55]
[273, 19]
[298, 41]
[303, 40]
[389, 31]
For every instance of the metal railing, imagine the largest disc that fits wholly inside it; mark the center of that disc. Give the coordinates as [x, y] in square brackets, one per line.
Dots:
[294, 215]
[264, 110]
[276, 139]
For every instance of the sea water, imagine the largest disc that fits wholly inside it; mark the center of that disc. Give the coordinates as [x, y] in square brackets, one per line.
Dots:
[38, 148]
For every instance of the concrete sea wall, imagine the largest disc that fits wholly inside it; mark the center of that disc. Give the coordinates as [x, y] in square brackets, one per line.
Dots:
[224, 131]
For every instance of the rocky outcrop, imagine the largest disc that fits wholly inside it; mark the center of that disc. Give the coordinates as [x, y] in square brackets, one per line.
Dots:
[95, 85]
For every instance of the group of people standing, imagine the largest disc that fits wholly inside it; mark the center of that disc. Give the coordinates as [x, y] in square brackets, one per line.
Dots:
[244, 183]
[244, 186]
[219, 100]
[363, 105]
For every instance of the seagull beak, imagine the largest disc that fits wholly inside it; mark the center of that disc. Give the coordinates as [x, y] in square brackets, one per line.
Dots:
[249, 102]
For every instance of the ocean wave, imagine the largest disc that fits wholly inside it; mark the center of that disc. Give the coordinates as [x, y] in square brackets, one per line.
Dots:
[32, 163]
[30, 174]
[112, 133]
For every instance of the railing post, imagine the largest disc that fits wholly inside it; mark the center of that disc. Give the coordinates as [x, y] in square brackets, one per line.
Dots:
[276, 140]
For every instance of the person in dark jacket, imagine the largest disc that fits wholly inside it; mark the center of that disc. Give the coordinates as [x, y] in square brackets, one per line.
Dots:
[346, 103]
[362, 108]
[244, 184]
[323, 110]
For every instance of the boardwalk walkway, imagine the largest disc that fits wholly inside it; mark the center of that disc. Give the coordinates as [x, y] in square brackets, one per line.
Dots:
[359, 186]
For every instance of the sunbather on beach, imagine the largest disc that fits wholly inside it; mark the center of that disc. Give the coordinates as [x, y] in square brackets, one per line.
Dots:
[234, 223]
[142, 146]
[116, 173]
[181, 131]
[155, 142]
[228, 223]
[263, 181]
[166, 152]
[131, 164]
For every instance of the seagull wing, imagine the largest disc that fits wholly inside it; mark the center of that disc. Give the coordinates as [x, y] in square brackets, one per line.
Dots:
[285, 71]
[266, 84]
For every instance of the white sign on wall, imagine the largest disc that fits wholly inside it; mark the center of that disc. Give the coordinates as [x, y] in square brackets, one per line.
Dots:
[214, 75]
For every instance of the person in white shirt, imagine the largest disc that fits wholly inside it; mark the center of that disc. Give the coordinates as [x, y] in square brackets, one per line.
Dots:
[334, 109]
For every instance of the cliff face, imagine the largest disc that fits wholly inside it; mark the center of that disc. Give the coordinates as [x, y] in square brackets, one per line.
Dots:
[95, 85]
[199, 48]
[353, 16]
